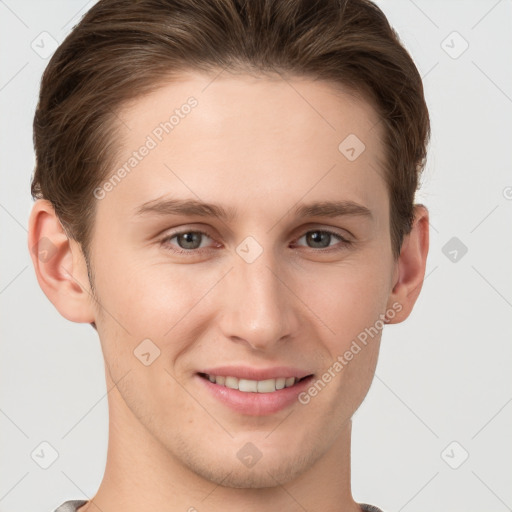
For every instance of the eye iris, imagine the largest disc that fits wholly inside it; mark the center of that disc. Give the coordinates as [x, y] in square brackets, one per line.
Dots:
[192, 240]
[319, 237]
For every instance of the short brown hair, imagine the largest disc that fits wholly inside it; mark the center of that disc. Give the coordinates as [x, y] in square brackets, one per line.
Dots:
[122, 49]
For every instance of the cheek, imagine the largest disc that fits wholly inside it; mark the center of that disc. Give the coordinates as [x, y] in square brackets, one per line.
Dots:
[350, 303]
[148, 296]
[160, 302]
[349, 298]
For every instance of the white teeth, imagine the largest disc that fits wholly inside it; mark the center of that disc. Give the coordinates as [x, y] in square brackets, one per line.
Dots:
[289, 382]
[267, 386]
[248, 385]
[253, 386]
[231, 382]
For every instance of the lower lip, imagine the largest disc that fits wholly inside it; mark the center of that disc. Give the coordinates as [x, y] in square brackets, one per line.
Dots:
[256, 404]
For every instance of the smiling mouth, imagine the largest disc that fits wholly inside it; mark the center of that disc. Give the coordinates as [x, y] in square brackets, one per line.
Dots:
[254, 386]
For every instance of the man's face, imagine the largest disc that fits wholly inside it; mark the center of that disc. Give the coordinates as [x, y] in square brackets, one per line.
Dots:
[264, 288]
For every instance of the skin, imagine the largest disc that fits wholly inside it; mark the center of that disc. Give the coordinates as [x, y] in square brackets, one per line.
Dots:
[260, 145]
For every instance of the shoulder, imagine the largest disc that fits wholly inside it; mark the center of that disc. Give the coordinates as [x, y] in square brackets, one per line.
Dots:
[369, 508]
[71, 506]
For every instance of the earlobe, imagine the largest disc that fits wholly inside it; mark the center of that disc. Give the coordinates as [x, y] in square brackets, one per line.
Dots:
[59, 264]
[411, 266]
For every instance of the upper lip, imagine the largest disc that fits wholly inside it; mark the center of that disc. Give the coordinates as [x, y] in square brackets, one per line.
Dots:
[246, 372]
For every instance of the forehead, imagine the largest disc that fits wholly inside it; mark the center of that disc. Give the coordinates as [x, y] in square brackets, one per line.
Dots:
[261, 137]
[242, 105]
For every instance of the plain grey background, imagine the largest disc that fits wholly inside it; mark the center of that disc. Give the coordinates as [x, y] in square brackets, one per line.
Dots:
[434, 430]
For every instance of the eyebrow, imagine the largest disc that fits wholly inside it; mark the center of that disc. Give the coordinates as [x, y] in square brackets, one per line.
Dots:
[192, 207]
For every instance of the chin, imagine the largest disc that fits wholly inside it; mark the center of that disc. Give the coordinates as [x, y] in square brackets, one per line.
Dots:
[266, 472]
[241, 478]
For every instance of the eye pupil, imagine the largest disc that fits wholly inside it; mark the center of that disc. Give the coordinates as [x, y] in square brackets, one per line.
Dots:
[319, 237]
[192, 240]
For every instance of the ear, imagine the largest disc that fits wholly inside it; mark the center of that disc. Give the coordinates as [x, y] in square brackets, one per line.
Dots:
[59, 264]
[410, 267]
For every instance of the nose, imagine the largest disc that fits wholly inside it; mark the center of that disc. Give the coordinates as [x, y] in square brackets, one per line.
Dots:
[259, 307]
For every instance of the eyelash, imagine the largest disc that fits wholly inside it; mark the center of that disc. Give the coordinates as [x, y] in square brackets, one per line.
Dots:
[190, 252]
